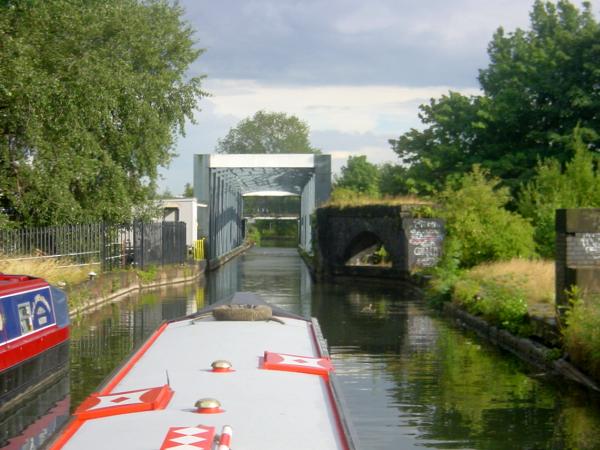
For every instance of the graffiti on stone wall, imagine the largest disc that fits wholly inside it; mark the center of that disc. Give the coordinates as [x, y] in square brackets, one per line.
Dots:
[591, 244]
[425, 242]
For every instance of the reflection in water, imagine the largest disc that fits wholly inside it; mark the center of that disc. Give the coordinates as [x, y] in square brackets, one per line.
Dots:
[410, 379]
[413, 381]
[28, 423]
[101, 340]
[278, 274]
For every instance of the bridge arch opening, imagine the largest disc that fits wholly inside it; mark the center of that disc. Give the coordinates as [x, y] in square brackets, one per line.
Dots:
[366, 249]
[271, 218]
[221, 182]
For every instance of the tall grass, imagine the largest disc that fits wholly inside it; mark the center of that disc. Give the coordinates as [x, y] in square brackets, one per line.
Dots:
[356, 199]
[52, 270]
[582, 335]
[534, 277]
[506, 292]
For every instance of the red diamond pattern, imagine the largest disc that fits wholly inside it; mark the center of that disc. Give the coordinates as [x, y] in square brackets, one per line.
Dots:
[297, 363]
[189, 438]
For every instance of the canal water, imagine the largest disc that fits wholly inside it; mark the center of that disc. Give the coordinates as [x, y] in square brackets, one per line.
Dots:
[410, 378]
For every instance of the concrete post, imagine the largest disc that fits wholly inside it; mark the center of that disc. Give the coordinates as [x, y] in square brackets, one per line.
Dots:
[577, 253]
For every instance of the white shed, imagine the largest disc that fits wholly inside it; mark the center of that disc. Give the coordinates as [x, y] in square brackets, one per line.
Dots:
[182, 210]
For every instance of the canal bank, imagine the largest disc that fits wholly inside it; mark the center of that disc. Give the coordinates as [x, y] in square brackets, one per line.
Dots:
[104, 288]
[541, 351]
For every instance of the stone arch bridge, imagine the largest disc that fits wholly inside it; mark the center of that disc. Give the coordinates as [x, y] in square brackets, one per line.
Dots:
[343, 234]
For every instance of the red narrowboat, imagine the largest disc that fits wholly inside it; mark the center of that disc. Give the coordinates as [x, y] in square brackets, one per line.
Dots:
[34, 333]
[241, 374]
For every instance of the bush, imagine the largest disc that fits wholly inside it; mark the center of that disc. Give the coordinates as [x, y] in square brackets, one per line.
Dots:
[501, 303]
[552, 188]
[253, 235]
[473, 207]
[582, 335]
[445, 275]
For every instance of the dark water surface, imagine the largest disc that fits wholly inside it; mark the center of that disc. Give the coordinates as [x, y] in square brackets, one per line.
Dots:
[411, 379]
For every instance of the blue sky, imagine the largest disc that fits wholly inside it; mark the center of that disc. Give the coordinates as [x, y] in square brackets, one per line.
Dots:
[355, 71]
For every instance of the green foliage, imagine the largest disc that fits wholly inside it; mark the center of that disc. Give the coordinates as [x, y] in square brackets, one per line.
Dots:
[577, 186]
[423, 211]
[345, 195]
[392, 180]
[148, 275]
[280, 233]
[500, 302]
[188, 190]
[267, 132]
[582, 335]
[442, 149]
[483, 230]
[92, 94]
[502, 305]
[539, 85]
[360, 176]
[253, 235]
[445, 274]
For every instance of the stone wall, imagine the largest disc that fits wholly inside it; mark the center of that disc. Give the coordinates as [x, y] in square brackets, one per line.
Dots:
[577, 252]
[411, 242]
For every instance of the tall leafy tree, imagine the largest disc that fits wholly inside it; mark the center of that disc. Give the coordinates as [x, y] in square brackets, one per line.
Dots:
[539, 85]
[393, 180]
[92, 94]
[268, 132]
[359, 175]
[447, 146]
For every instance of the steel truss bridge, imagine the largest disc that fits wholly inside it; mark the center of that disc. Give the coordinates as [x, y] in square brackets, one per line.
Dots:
[221, 181]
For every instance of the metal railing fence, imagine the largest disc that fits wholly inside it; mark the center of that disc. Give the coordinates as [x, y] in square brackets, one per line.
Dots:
[112, 246]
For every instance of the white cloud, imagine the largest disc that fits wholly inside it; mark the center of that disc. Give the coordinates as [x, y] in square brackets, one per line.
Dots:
[348, 109]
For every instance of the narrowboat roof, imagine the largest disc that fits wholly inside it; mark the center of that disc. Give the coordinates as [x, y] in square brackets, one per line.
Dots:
[12, 284]
[267, 409]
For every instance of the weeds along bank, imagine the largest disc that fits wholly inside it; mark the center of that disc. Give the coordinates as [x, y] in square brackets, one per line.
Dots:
[492, 269]
[87, 290]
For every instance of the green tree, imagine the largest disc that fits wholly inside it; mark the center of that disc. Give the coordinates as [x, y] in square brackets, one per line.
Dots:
[539, 85]
[188, 190]
[92, 94]
[393, 180]
[267, 132]
[445, 147]
[552, 187]
[477, 223]
[359, 175]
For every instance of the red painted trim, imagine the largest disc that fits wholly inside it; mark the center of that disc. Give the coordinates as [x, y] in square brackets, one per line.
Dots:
[154, 399]
[297, 363]
[205, 433]
[40, 426]
[66, 434]
[210, 411]
[336, 413]
[332, 401]
[15, 284]
[225, 438]
[31, 345]
[217, 370]
[72, 428]
[133, 360]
